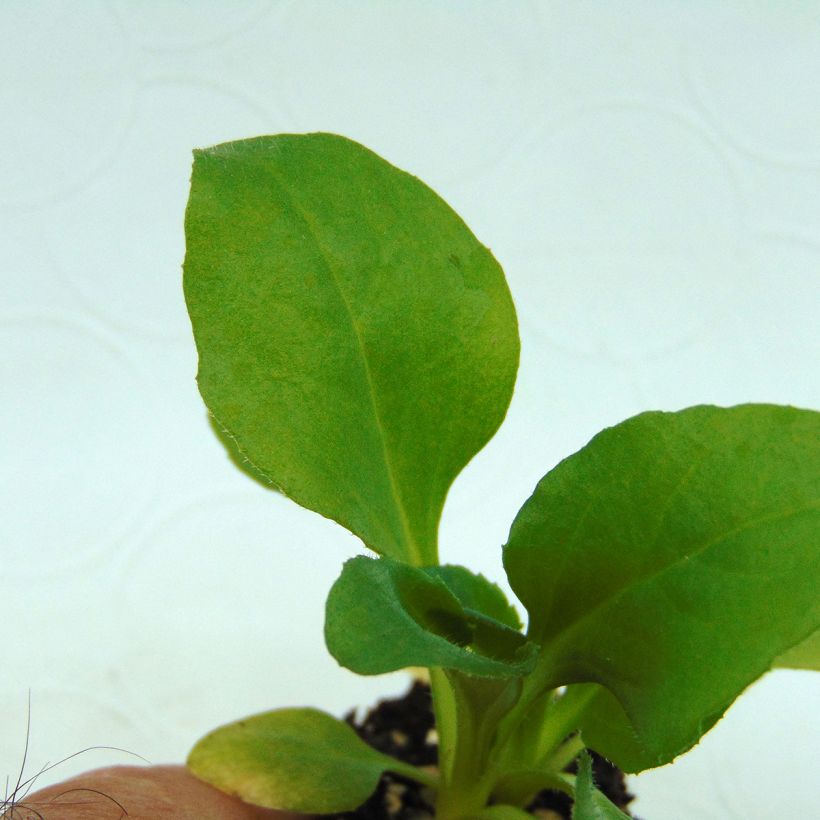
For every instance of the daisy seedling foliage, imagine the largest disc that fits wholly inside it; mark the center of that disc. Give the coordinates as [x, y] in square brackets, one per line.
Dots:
[358, 346]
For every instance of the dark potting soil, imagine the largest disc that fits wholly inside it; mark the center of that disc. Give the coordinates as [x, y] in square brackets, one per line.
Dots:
[404, 728]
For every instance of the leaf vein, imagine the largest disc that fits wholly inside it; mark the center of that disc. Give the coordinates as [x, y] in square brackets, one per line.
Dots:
[410, 541]
[567, 631]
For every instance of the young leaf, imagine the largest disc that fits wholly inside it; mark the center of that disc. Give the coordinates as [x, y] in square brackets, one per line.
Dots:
[384, 615]
[479, 704]
[590, 804]
[542, 738]
[672, 560]
[477, 593]
[355, 339]
[300, 760]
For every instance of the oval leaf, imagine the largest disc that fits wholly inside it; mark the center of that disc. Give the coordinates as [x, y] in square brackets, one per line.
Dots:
[295, 759]
[673, 560]
[354, 338]
[383, 615]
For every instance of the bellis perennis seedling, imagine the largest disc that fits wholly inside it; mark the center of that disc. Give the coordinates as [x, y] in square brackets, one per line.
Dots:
[358, 346]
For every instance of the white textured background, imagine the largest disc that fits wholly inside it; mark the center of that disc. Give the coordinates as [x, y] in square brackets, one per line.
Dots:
[648, 173]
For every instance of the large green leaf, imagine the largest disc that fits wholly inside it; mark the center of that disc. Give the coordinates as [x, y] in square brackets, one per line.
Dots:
[672, 560]
[296, 759]
[384, 615]
[606, 728]
[355, 339]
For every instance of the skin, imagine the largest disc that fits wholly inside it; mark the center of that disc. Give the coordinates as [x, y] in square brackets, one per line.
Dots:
[146, 793]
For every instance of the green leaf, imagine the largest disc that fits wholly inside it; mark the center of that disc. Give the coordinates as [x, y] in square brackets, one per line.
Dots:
[672, 560]
[478, 704]
[384, 615]
[806, 655]
[541, 735]
[294, 759]
[355, 339]
[591, 804]
[606, 728]
[237, 458]
[475, 592]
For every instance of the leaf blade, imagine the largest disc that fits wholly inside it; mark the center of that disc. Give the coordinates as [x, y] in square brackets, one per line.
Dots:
[383, 615]
[805, 655]
[683, 521]
[299, 760]
[353, 334]
[475, 592]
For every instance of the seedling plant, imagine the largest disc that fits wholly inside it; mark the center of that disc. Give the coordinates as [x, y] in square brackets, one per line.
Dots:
[357, 347]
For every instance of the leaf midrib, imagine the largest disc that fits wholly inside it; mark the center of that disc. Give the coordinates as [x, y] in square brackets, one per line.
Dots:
[410, 541]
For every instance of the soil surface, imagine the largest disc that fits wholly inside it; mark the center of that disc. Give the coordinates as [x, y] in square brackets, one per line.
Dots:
[404, 728]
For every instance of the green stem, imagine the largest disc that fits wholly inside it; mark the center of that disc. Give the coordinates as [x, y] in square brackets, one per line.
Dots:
[417, 774]
[563, 718]
[540, 722]
[564, 754]
[444, 709]
[479, 704]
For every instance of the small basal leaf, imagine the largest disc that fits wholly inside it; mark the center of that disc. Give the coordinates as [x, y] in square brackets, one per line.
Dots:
[299, 760]
[673, 560]
[591, 804]
[384, 615]
[355, 339]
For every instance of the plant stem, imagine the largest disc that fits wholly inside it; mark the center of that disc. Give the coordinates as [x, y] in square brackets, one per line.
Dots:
[539, 724]
[477, 705]
[564, 754]
[444, 709]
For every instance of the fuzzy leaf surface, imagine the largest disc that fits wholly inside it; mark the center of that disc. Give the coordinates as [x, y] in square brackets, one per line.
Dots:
[606, 728]
[354, 337]
[300, 760]
[383, 615]
[591, 804]
[477, 593]
[672, 560]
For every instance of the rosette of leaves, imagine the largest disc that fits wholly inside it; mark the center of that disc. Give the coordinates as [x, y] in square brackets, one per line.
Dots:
[357, 346]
